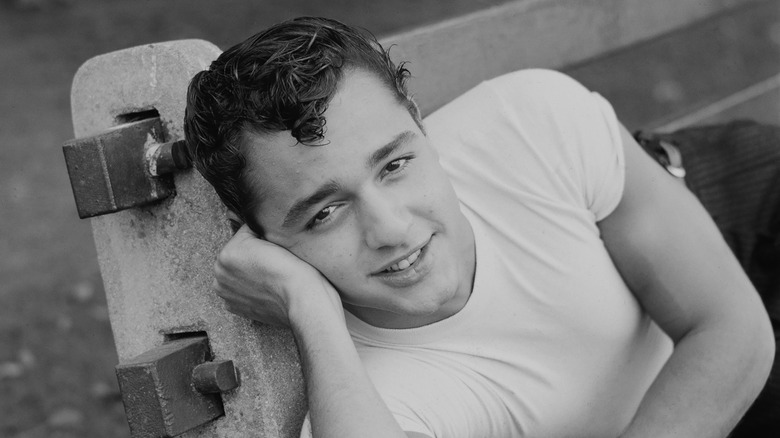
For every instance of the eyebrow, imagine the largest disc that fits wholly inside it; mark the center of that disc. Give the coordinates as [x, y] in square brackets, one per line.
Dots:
[299, 209]
[380, 154]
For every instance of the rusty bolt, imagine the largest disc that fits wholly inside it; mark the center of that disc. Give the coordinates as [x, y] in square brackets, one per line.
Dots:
[165, 158]
[123, 167]
[159, 388]
[217, 376]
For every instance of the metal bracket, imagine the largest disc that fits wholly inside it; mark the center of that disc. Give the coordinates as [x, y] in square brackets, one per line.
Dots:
[123, 167]
[171, 389]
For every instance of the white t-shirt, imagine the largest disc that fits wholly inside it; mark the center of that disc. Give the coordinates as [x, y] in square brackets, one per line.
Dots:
[551, 343]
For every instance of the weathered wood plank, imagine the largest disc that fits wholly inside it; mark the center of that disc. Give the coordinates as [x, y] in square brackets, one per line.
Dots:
[655, 82]
[759, 102]
[449, 57]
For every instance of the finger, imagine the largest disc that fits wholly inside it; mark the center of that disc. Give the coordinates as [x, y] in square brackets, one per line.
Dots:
[218, 289]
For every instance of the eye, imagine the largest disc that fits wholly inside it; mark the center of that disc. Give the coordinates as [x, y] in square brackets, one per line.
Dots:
[397, 165]
[322, 216]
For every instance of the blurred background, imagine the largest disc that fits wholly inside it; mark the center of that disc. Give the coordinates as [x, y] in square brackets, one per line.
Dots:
[56, 350]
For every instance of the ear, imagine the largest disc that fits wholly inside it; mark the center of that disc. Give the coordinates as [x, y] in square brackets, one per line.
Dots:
[235, 221]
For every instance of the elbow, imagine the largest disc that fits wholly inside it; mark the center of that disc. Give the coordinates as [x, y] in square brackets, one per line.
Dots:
[767, 347]
[747, 337]
[763, 344]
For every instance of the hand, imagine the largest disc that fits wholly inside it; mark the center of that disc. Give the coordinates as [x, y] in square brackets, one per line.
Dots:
[265, 282]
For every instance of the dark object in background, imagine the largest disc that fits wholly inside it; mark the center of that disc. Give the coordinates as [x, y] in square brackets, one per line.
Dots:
[734, 170]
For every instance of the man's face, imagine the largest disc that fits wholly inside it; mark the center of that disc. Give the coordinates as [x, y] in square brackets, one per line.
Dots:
[371, 209]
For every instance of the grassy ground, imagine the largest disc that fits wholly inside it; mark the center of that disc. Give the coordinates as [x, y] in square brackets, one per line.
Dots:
[57, 355]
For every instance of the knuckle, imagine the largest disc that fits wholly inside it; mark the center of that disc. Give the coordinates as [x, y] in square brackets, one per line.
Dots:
[230, 254]
[224, 258]
[219, 270]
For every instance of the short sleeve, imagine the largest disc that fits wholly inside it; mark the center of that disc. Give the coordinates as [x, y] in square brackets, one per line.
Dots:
[572, 129]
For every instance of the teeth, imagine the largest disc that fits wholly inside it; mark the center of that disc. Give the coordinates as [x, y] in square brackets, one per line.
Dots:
[405, 263]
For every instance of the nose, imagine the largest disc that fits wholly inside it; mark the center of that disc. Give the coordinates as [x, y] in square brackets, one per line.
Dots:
[386, 220]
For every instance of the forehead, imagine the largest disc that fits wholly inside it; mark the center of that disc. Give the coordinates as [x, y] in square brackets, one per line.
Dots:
[363, 109]
[363, 116]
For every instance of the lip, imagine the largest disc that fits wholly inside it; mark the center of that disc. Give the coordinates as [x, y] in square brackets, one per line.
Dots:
[413, 273]
[403, 257]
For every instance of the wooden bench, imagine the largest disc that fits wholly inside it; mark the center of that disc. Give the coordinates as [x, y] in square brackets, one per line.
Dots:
[156, 260]
[722, 55]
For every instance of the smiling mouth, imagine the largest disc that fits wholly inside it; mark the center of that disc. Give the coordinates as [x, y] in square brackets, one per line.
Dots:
[405, 263]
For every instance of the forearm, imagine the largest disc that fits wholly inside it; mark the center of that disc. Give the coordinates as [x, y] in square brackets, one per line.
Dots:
[707, 384]
[342, 400]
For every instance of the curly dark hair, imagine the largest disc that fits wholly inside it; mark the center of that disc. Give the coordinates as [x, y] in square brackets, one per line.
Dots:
[280, 79]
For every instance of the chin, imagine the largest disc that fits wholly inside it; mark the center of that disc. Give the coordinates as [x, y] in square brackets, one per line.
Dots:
[431, 305]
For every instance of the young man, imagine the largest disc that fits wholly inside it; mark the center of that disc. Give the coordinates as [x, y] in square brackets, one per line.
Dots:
[512, 266]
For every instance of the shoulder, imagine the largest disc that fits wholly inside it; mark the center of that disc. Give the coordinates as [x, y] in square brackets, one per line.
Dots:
[536, 82]
[552, 98]
[538, 92]
[522, 88]
[533, 131]
[525, 101]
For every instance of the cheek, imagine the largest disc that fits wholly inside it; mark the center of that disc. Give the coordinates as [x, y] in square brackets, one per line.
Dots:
[438, 193]
[333, 256]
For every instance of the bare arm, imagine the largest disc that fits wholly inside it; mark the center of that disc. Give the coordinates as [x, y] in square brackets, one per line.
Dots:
[267, 283]
[342, 399]
[677, 264]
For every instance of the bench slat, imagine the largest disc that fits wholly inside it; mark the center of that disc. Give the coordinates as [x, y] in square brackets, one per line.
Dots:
[449, 57]
[759, 102]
